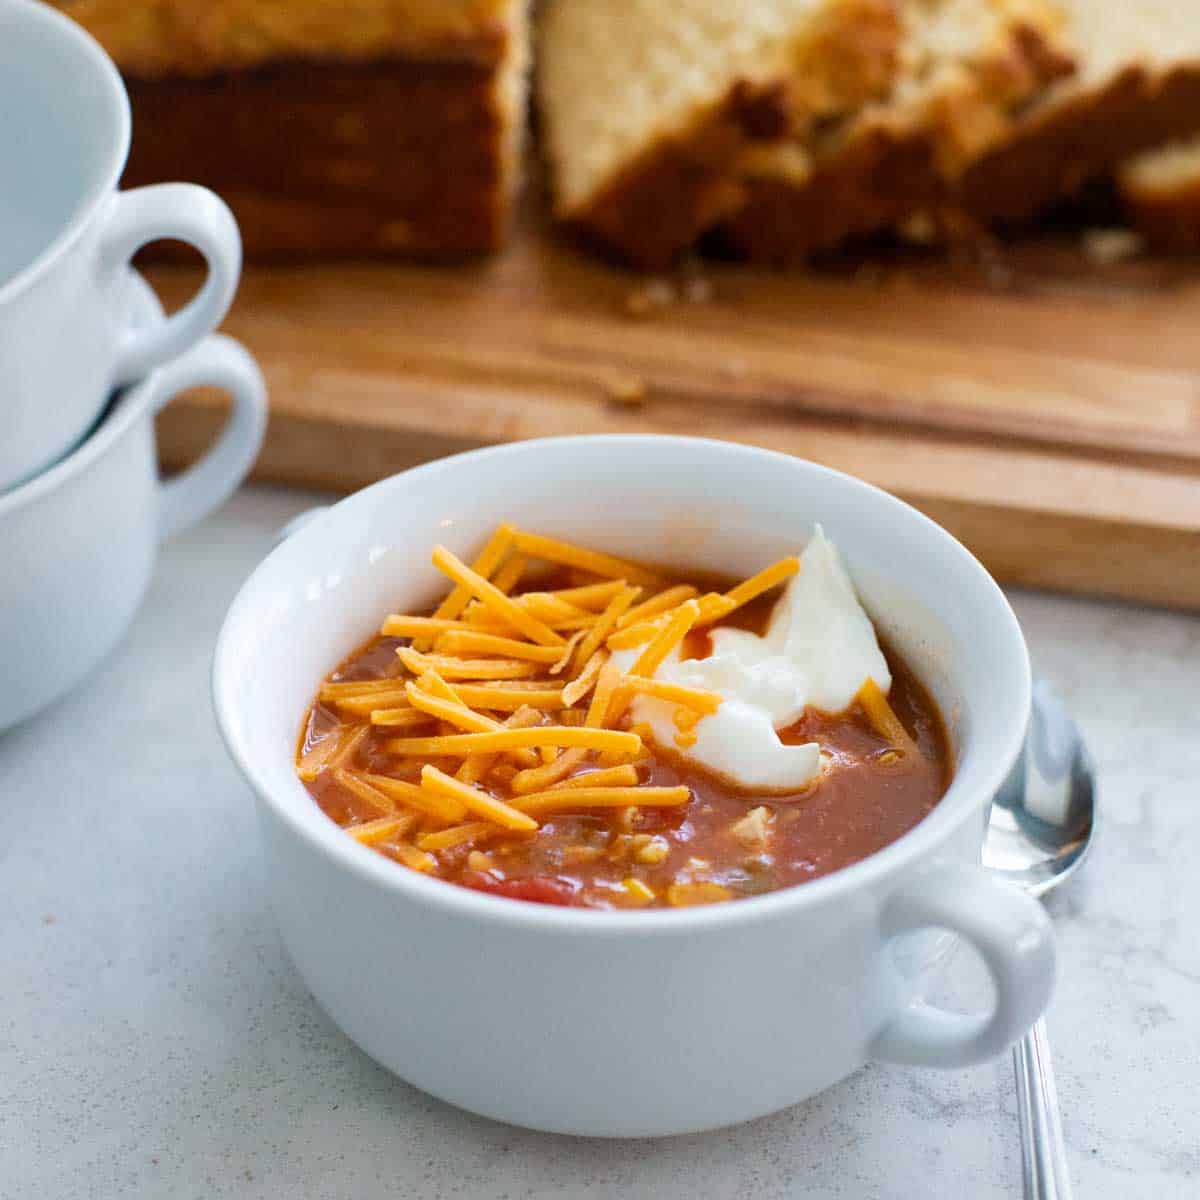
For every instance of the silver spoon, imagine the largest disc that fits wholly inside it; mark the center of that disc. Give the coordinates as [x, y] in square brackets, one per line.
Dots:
[1041, 825]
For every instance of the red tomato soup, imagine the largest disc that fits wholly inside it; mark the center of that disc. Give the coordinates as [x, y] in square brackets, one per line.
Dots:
[492, 742]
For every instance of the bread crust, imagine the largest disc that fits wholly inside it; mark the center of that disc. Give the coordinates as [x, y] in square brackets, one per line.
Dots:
[317, 158]
[890, 166]
[663, 201]
[682, 185]
[1054, 152]
[873, 183]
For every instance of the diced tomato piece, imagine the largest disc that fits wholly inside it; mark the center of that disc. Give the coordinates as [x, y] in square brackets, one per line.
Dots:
[538, 889]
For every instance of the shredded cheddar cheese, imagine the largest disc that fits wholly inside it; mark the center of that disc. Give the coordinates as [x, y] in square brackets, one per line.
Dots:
[476, 766]
[456, 835]
[489, 559]
[400, 718]
[564, 659]
[326, 752]
[701, 702]
[509, 575]
[418, 860]
[399, 625]
[474, 800]
[666, 640]
[511, 699]
[491, 596]
[764, 581]
[369, 702]
[364, 791]
[411, 796]
[663, 602]
[882, 716]
[371, 832]
[465, 668]
[623, 776]
[552, 550]
[537, 803]
[455, 713]
[579, 687]
[595, 596]
[472, 641]
[514, 739]
[607, 622]
[360, 687]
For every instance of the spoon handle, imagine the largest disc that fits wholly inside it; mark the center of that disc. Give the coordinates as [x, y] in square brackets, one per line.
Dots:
[1042, 1149]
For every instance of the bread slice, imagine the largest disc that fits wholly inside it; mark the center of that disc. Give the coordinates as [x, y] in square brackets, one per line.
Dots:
[967, 67]
[330, 126]
[1137, 87]
[648, 105]
[1160, 193]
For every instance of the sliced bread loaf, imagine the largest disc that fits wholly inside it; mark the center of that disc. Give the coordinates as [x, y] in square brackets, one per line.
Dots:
[1160, 193]
[330, 126]
[1137, 87]
[967, 67]
[647, 106]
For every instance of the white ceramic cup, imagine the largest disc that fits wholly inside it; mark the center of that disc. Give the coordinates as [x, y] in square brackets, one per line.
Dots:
[67, 236]
[650, 1022]
[79, 541]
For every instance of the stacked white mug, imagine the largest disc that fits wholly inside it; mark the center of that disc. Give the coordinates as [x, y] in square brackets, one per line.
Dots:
[87, 358]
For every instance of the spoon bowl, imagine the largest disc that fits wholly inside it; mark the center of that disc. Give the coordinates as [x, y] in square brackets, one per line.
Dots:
[1043, 819]
[1041, 826]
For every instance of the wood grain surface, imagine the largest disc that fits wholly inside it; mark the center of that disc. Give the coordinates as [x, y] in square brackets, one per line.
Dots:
[1044, 407]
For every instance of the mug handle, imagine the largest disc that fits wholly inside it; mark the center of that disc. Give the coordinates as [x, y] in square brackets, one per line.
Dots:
[189, 214]
[1013, 936]
[222, 363]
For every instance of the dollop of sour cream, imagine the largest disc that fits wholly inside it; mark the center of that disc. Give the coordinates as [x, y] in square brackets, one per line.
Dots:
[819, 648]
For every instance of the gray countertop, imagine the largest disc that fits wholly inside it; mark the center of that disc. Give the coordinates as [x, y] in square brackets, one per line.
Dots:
[155, 1041]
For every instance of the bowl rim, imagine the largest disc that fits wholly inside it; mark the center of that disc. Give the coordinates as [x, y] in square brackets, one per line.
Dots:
[453, 899]
[71, 34]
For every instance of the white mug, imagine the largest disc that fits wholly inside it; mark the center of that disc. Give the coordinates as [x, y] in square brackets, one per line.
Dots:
[67, 237]
[81, 538]
[651, 1022]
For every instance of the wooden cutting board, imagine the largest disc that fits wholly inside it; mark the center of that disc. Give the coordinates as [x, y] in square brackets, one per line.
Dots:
[1041, 405]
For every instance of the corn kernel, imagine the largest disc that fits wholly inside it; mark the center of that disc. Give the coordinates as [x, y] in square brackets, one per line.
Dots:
[650, 849]
[684, 895]
[478, 861]
[638, 892]
[620, 847]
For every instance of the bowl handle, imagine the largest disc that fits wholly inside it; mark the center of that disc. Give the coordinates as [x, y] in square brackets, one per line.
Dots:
[1012, 935]
[218, 362]
[189, 214]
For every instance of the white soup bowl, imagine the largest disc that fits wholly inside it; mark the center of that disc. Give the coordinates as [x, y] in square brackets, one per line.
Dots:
[660, 1021]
